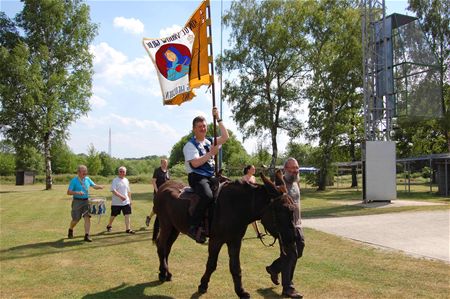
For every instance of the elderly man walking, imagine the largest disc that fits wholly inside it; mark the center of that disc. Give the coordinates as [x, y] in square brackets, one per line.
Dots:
[292, 240]
[79, 189]
[121, 200]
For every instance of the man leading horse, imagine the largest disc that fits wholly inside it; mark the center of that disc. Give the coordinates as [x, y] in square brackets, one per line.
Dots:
[199, 154]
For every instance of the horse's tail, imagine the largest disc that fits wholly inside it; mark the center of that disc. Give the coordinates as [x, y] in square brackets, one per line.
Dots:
[156, 224]
[155, 230]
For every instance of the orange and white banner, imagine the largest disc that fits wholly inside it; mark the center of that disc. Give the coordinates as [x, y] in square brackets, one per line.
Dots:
[181, 60]
[172, 59]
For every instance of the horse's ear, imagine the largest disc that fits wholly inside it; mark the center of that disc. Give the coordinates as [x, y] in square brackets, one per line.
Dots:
[270, 186]
[279, 178]
[279, 181]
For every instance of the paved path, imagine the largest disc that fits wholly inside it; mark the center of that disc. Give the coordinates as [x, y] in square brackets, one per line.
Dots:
[425, 234]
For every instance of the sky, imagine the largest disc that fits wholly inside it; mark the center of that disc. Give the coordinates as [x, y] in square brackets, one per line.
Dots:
[126, 94]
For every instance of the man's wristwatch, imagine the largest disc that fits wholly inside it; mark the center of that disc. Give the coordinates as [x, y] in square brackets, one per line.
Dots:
[219, 120]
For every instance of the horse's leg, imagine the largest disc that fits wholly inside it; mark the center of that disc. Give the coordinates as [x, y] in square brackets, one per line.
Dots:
[162, 245]
[172, 237]
[214, 247]
[234, 249]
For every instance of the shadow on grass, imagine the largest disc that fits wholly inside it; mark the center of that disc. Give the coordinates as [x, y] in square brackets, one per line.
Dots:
[143, 196]
[268, 293]
[196, 295]
[128, 291]
[421, 195]
[329, 211]
[333, 194]
[66, 245]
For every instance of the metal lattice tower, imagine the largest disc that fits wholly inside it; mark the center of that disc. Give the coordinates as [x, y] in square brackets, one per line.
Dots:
[378, 107]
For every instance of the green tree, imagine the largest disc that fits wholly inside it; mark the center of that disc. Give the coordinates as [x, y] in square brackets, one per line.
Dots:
[108, 165]
[7, 164]
[7, 158]
[93, 161]
[176, 153]
[29, 158]
[434, 16]
[9, 35]
[335, 59]
[262, 156]
[301, 152]
[267, 67]
[63, 159]
[46, 73]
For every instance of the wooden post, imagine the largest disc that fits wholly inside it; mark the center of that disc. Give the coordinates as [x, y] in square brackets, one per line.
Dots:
[211, 64]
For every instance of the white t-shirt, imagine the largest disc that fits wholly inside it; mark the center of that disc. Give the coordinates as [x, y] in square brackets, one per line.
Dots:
[190, 153]
[122, 186]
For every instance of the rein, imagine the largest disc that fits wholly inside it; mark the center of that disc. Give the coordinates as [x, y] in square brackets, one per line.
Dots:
[274, 218]
[267, 234]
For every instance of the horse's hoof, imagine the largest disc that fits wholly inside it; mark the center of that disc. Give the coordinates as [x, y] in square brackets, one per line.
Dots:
[202, 289]
[244, 295]
[162, 277]
[169, 277]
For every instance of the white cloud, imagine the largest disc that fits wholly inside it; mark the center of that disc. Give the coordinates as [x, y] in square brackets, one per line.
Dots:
[151, 125]
[98, 89]
[92, 122]
[131, 137]
[165, 32]
[131, 25]
[113, 66]
[97, 102]
[103, 54]
[130, 123]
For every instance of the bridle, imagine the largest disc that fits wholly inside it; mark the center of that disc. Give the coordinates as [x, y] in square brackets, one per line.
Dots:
[275, 222]
[272, 200]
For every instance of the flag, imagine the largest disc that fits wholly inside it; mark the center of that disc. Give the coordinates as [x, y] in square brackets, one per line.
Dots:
[181, 60]
[198, 23]
[172, 58]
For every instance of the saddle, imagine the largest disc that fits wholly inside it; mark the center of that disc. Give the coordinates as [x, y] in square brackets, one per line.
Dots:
[188, 193]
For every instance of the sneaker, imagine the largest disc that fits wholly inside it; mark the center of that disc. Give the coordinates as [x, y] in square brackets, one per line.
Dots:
[273, 275]
[87, 238]
[70, 234]
[108, 228]
[130, 231]
[147, 221]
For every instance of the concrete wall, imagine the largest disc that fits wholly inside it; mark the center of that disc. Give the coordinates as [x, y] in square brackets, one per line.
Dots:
[380, 171]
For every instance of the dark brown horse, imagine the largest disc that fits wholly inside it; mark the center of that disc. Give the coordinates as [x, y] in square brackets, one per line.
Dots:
[237, 205]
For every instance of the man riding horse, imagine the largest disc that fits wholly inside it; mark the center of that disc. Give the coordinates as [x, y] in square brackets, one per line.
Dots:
[199, 154]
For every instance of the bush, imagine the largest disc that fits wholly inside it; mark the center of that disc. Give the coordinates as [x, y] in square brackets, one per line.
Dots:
[139, 179]
[416, 175]
[7, 164]
[311, 178]
[426, 172]
[178, 170]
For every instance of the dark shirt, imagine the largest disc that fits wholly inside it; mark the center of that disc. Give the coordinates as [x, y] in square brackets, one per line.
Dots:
[160, 176]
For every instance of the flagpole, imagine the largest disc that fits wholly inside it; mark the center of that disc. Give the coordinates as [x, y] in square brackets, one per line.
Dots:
[220, 88]
[211, 63]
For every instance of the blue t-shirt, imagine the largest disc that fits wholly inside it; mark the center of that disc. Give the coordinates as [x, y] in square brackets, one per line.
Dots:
[77, 185]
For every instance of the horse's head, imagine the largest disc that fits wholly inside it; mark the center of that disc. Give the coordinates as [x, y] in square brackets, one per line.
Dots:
[279, 201]
[277, 190]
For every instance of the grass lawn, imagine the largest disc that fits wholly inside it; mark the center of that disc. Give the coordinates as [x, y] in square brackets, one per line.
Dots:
[37, 261]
